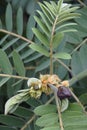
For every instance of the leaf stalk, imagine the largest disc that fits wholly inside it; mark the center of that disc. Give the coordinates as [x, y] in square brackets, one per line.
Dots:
[51, 45]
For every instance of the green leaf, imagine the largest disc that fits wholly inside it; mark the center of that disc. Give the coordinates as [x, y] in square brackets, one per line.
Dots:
[83, 98]
[8, 17]
[45, 20]
[76, 121]
[20, 21]
[20, 48]
[43, 65]
[32, 58]
[11, 120]
[76, 127]
[27, 53]
[12, 104]
[58, 37]
[44, 109]
[0, 24]
[2, 127]
[62, 20]
[71, 114]
[51, 128]
[62, 27]
[74, 107]
[23, 112]
[81, 20]
[69, 30]
[62, 55]
[43, 39]
[42, 25]
[30, 7]
[5, 66]
[10, 43]
[60, 3]
[33, 102]
[68, 9]
[18, 63]
[47, 120]
[73, 37]
[3, 39]
[51, 8]
[30, 25]
[47, 13]
[3, 81]
[40, 49]
[73, 118]
[79, 58]
[82, 55]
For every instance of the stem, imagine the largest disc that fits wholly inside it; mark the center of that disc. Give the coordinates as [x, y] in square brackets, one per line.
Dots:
[33, 117]
[74, 80]
[16, 35]
[27, 123]
[50, 100]
[64, 65]
[78, 101]
[81, 3]
[59, 111]
[14, 76]
[82, 43]
[51, 46]
[58, 105]
[26, 68]
[78, 77]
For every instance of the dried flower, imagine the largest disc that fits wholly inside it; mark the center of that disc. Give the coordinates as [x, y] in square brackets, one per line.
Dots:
[51, 79]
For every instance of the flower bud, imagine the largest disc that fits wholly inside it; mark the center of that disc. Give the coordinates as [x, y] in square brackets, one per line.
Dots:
[63, 92]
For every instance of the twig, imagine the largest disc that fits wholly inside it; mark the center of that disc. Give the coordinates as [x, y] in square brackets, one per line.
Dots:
[74, 80]
[16, 35]
[78, 77]
[83, 42]
[64, 65]
[51, 45]
[30, 68]
[50, 100]
[81, 3]
[59, 111]
[27, 123]
[78, 101]
[33, 117]
[58, 105]
[14, 76]
[27, 68]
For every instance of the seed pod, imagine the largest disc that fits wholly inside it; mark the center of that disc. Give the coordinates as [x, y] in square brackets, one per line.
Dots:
[63, 92]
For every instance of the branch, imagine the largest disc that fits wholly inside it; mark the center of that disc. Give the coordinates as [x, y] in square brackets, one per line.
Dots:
[81, 3]
[64, 65]
[51, 45]
[74, 80]
[16, 35]
[14, 76]
[27, 123]
[58, 105]
[33, 117]
[78, 77]
[78, 101]
[82, 43]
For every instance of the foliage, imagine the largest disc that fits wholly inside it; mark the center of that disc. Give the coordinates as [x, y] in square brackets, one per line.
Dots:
[49, 120]
[17, 58]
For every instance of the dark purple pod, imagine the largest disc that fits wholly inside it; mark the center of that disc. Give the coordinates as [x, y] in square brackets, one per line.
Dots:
[63, 92]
